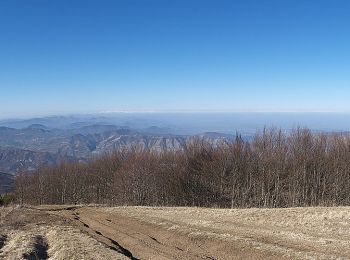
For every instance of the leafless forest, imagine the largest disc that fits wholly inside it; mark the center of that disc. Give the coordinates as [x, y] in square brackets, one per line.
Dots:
[274, 169]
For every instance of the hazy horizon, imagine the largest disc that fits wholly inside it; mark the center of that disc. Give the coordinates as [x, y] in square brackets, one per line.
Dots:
[160, 112]
[195, 122]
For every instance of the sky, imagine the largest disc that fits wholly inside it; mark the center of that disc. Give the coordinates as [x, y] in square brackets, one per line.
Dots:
[60, 56]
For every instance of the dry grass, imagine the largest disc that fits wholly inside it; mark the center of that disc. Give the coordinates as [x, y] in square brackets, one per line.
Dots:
[69, 243]
[4, 211]
[18, 243]
[63, 243]
[21, 230]
[301, 233]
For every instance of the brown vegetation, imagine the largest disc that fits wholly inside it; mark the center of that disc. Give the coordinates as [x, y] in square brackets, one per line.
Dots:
[273, 170]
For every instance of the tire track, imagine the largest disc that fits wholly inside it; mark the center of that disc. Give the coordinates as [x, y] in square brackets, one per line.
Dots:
[117, 247]
[151, 246]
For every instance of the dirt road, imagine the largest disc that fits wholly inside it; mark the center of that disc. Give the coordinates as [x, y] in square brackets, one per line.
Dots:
[58, 232]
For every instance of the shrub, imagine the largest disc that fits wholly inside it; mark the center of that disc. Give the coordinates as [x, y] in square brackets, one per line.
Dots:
[7, 199]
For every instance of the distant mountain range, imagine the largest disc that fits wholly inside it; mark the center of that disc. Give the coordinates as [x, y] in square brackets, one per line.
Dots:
[28, 147]
[14, 160]
[50, 145]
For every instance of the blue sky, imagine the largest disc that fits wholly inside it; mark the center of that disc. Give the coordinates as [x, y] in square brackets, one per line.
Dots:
[60, 56]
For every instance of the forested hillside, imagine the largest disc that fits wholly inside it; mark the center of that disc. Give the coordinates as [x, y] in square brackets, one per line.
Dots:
[275, 169]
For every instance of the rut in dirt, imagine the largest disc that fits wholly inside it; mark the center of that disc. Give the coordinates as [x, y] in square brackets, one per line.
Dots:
[117, 247]
[39, 251]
